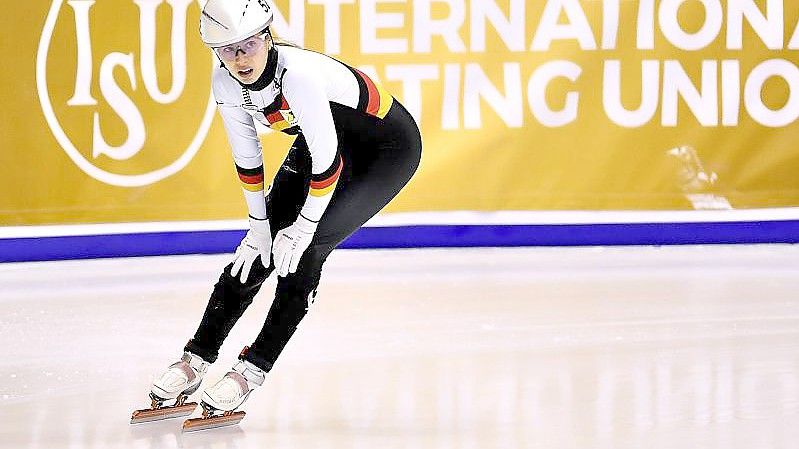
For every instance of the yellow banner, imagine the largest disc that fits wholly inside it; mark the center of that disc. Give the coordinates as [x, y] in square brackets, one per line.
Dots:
[523, 105]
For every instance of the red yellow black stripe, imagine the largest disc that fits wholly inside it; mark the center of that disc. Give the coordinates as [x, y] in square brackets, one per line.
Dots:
[252, 179]
[325, 182]
[373, 99]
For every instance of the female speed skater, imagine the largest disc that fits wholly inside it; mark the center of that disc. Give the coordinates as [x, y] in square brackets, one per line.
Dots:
[356, 147]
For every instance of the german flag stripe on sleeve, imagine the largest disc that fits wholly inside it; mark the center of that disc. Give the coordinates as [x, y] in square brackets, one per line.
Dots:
[324, 183]
[252, 179]
[374, 100]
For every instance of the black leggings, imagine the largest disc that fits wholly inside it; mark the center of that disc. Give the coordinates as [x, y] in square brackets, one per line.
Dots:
[380, 157]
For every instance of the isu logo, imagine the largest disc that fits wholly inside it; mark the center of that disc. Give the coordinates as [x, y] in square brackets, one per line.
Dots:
[97, 73]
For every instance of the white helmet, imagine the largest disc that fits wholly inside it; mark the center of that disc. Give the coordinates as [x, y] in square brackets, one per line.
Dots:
[224, 22]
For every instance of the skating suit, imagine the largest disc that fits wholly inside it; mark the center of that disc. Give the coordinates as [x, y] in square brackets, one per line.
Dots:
[356, 148]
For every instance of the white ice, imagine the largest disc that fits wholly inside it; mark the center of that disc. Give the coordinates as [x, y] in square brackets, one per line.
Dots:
[671, 347]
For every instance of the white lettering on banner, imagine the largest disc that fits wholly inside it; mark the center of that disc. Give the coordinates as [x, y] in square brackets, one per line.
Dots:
[651, 17]
[769, 28]
[610, 23]
[147, 38]
[730, 93]
[754, 86]
[510, 29]
[704, 100]
[794, 43]
[83, 79]
[332, 10]
[455, 29]
[123, 106]
[372, 20]
[677, 84]
[714, 94]
[537, 93]
[114, 94]
[477, 86]
[550, 29]
[450, 111]
[712, 97]
[650, 90]
[674, 33]
[425, 27]
[646, 25]
[294, 30]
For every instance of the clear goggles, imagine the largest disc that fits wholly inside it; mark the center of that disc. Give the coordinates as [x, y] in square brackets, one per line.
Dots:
[250, 45]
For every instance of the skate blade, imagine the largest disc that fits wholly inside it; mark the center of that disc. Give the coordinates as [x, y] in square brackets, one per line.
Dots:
[157, 414]
[194, 424]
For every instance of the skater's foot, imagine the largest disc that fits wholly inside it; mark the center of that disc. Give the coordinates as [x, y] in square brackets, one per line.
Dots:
[182, 378]
[233, 389]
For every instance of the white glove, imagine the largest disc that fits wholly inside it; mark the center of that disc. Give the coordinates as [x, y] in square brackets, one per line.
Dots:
[257, 242]
[291, 243]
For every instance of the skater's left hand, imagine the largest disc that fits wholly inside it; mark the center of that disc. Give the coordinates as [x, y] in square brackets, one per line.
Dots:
[290, 244]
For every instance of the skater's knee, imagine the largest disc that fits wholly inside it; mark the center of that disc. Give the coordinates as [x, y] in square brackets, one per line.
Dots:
[315, 255]
[298, 287]
[231, 295]
[310, 264]
[257, 276]
[295, 294]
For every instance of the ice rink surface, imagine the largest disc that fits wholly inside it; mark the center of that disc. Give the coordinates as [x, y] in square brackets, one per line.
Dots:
[671, 347]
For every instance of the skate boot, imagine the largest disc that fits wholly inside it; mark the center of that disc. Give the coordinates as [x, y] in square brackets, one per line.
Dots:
[220, 401]
[181, 379]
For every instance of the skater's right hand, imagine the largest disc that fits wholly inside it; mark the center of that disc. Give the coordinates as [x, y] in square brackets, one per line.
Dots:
[257, 242]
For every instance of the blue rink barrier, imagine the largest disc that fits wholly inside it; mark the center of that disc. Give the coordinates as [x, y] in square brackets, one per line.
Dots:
[423, 236]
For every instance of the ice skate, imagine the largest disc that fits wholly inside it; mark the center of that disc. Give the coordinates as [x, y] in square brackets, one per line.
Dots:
[181, 379]
[220, 401]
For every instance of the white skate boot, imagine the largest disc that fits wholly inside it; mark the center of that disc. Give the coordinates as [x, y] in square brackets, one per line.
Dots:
[181, 379]
[220, 401]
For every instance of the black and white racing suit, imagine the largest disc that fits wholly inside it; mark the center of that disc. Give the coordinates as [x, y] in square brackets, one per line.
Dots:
[356, 148]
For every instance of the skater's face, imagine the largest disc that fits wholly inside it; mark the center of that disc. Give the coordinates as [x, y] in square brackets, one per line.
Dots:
[246, 59]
